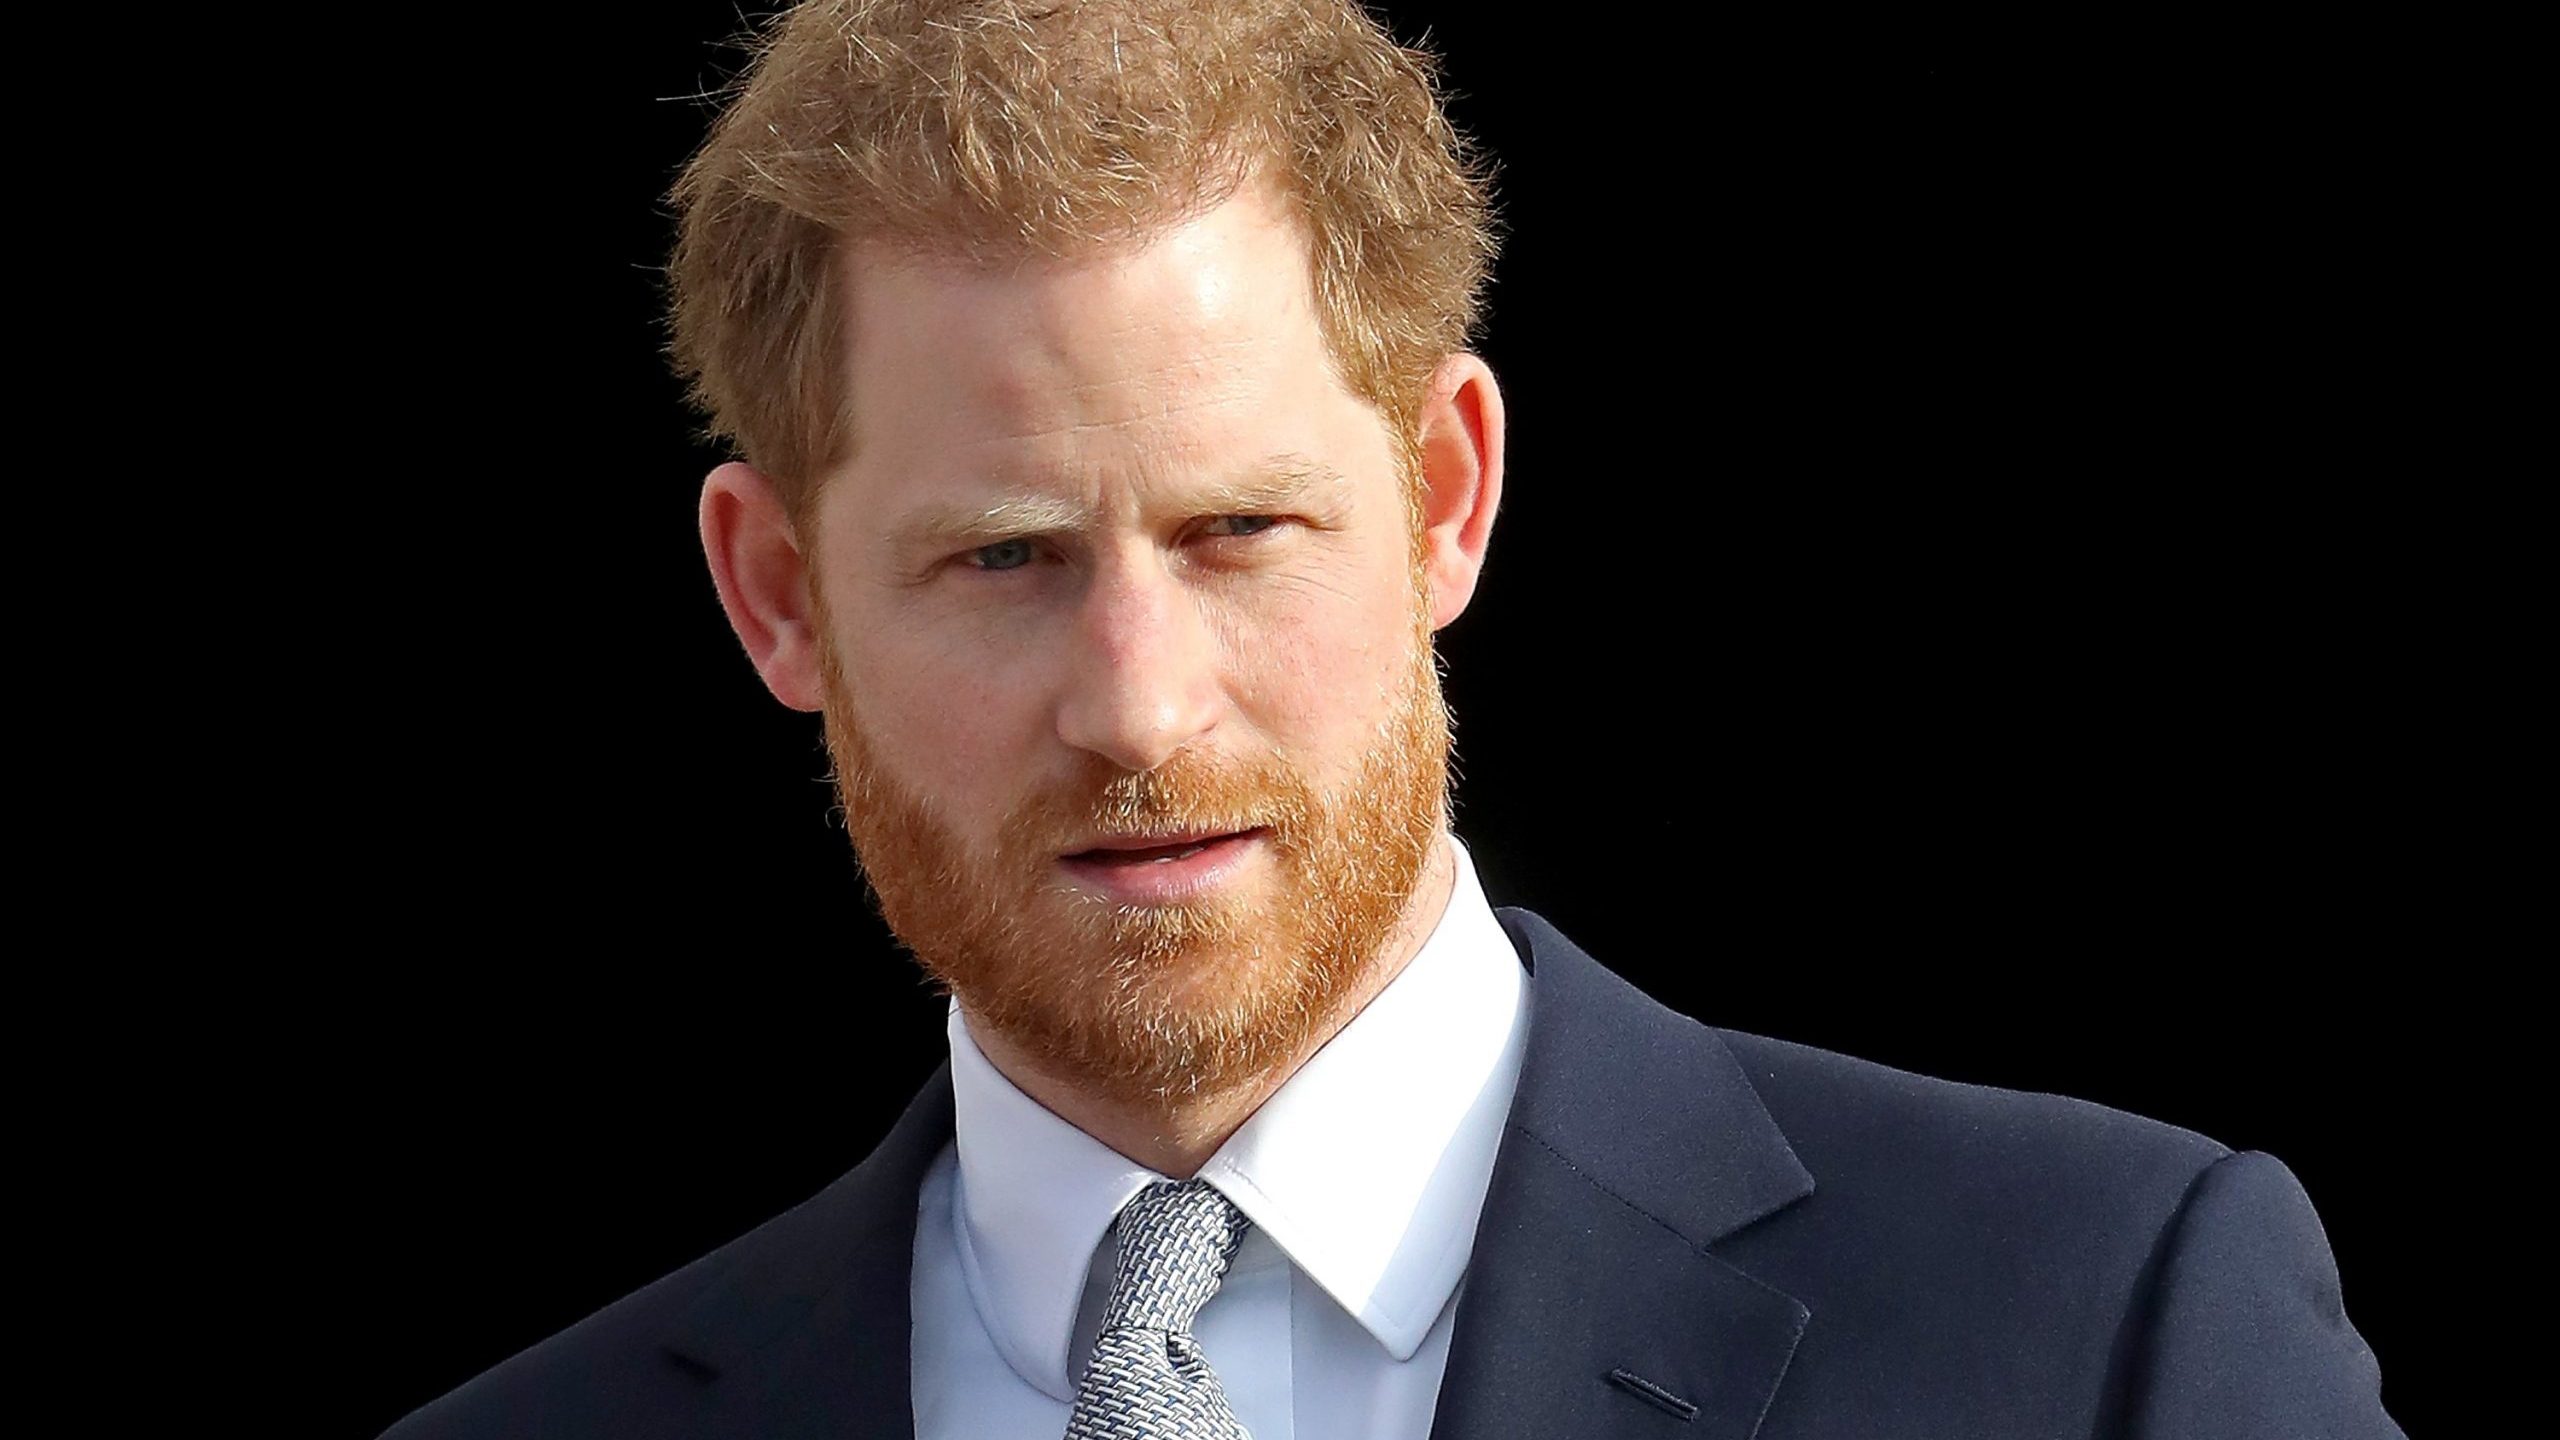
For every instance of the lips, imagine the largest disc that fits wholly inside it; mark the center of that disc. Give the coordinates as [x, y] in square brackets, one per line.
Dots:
[1153, 849]
[1169, 867]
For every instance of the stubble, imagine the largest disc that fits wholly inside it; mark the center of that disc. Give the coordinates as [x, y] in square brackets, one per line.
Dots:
[1144, 1003]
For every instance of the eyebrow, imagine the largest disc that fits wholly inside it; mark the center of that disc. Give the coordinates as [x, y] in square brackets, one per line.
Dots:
[935, 529]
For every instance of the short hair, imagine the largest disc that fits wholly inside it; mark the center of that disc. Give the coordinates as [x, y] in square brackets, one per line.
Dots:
[988, 129]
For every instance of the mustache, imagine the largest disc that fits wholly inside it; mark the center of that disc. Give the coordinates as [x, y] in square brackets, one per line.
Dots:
[1198, 794]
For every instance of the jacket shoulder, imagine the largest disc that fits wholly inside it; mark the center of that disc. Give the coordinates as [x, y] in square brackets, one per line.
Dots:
[1851, 1118]
[2112, 1270]
[1999, 1244]
[608, 1372]
[643, 1366]
[584, 1380]
[2039, 1193]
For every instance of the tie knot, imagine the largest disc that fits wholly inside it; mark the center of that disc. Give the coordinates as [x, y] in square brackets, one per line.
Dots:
[1175, 1241]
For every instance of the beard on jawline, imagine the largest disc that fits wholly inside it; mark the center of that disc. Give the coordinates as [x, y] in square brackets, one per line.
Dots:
[1141, 1002]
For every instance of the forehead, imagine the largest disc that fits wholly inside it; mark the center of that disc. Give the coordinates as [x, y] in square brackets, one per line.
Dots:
[1171, 354]
[1237, 271]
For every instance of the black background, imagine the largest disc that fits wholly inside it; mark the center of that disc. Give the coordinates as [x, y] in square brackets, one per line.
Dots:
[1924, 622]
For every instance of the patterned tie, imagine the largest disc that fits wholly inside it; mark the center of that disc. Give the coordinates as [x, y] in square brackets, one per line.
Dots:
[1147, 1379]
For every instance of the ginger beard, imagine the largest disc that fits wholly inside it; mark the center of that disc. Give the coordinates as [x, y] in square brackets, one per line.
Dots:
[1147, 1002]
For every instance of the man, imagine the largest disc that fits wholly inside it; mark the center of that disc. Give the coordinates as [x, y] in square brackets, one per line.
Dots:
[1111, 455]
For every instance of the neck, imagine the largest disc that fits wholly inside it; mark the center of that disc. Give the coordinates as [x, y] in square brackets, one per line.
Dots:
[1177, 1135]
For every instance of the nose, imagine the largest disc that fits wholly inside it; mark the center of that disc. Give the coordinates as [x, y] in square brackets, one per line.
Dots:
[1143, 673]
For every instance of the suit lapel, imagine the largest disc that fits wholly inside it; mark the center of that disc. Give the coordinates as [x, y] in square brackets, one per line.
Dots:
[1635, 1143]
[1593, 1304]
[805, 1334]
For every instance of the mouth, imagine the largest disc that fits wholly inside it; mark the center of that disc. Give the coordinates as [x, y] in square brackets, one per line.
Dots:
[1167, 867]
[1168, 848]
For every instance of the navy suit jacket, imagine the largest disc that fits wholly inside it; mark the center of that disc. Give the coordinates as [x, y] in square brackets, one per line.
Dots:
[1690, 1233]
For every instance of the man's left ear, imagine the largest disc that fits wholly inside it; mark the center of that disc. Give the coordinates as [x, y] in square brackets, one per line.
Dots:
[1461, 435]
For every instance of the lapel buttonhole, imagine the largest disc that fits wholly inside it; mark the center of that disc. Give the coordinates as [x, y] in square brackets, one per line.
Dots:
[1652, 1394]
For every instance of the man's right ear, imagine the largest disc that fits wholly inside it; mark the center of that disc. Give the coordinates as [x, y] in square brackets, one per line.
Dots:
[763, 581]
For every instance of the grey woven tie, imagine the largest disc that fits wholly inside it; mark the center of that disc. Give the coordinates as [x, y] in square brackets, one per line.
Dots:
[1147, 1379]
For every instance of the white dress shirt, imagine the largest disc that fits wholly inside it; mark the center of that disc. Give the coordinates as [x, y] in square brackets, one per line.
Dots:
[1363, 1176]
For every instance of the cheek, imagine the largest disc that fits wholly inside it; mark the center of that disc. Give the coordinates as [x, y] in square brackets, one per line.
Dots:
[1316, 661]
[942, 719]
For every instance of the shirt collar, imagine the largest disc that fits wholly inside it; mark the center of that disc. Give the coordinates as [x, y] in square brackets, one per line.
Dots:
[1376, 1203]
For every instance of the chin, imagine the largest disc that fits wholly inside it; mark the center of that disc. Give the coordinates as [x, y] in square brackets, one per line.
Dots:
[1175, 989]
[1163, 1002]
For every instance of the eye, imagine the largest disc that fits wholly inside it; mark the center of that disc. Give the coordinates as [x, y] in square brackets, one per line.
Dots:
[1241, 525]
[1002, 555]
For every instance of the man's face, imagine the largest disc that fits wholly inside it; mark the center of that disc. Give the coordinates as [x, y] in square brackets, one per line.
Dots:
[1127, 650]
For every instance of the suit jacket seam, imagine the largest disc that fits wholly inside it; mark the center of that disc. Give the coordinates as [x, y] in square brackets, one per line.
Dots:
[2120, 1393]
[1596, 1183]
